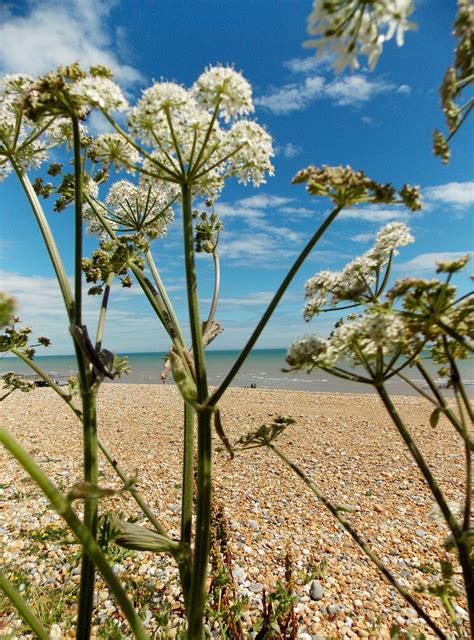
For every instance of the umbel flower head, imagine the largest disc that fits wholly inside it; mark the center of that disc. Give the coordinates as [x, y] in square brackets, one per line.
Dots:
[346, 29]
[355, 283]
[202, 135]
[35, 115]
[130, 209]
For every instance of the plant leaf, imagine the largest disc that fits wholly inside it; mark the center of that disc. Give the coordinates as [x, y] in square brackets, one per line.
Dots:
[134, 536]
[434, 417]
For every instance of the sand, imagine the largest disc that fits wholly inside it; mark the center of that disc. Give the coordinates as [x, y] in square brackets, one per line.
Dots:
[346, 443]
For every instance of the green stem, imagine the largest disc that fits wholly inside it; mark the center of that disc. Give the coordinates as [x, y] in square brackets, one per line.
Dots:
[47, 237]
[358, 540]
[444, 405]
[50, 382]
[454, 334]
[64, 509]
[187, 491]
[215, 295]
[23, 609]
[271, 308]
[164, 295]
[204, 444]
[88, 396]
[420, 461]
[103, 312]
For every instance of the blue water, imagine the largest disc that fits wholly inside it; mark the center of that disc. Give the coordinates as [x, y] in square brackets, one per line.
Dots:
[262, 368]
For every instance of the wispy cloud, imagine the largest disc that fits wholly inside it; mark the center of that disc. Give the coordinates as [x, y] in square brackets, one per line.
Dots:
[460, 195]
[293, 96]
[356, 89]
[427, 261]
[54, 32]
[288, 150]
[362, 237]
[375, 214]
[313, 83]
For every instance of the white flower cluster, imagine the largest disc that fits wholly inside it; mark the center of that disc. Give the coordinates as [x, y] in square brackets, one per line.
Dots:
[310, 352]
[198, 134]
[358, 340]
[348, 28]
[113, 149]
[355, 281]
[98, 91]
[129, 208]
[16, 131]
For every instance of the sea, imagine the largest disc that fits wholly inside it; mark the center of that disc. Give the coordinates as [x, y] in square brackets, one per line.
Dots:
[263, 369]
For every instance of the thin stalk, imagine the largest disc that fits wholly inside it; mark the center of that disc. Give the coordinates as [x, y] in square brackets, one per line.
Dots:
[271, 308]
[418, 389]
[103, 312]
[89, 418]
[358, 540]
[444, 405]
[420, 461]
[196, 166]
[164, 295]
[215, 295]
[63, 507]
[204, 444]
[175, 177]
[454, 334]
[187, 491]
[23, 609]
[47, 237]
[50, 382]
[135, 494]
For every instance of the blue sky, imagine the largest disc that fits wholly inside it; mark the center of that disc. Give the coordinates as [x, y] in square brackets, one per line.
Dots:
[379, 121]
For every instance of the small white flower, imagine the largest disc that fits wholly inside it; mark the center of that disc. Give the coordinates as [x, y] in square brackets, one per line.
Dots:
[310, 352]
[99, 91]
[345, 30]
[112, 148]
[227, 87]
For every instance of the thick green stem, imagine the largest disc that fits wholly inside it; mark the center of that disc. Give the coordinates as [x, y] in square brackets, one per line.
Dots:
[187, 491]
[64, 509]
[358, 540]
[88, 396]
[47, 237]
[23, 609]
[204, 448]
[271, 308]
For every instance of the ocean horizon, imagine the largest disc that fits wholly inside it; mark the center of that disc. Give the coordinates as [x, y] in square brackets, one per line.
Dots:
[262, 369]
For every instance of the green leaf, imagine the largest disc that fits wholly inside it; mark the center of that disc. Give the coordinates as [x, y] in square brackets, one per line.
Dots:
[134, 536]
[434, 417]
[183, 379]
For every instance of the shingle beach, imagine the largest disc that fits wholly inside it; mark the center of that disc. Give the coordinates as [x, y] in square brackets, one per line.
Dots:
[344, 442]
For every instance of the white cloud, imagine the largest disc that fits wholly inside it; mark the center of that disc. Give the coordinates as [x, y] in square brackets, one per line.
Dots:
[54, 32]
[264, 201]
[366, 119]
[404, 88]
[356, 89]
[303, 65]
[302, 212]
[427, 261]
[255, 299]
[346, 91]
[457, 194]
[292, 97]
[362, 237]
[375, 214]
[289, 150]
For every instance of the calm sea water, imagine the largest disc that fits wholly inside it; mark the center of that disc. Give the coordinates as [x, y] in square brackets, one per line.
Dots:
[262, 368]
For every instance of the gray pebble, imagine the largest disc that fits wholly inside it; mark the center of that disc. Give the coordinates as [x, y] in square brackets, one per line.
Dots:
[316, 590]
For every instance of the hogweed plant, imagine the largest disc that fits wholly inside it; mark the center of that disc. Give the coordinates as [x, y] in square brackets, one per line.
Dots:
[181, 144]
[178, 147]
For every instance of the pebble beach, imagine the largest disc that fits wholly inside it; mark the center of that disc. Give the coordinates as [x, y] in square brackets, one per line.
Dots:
[345, 443]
